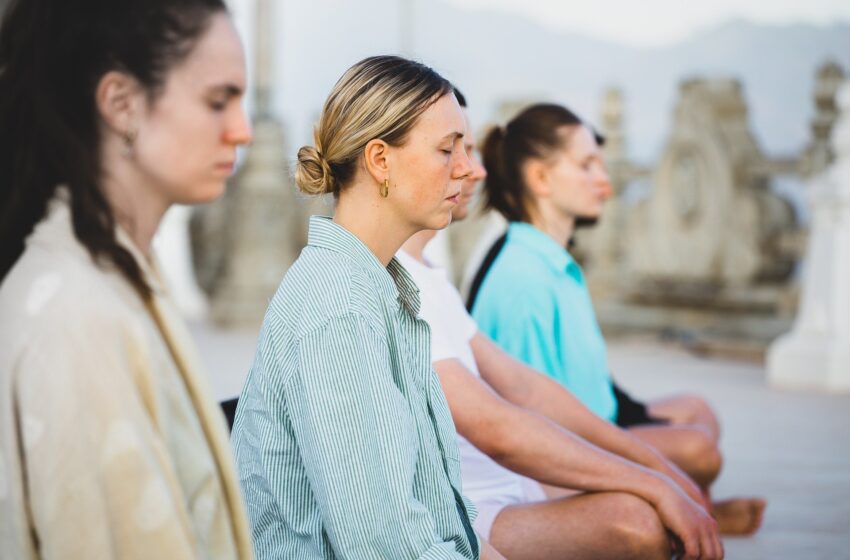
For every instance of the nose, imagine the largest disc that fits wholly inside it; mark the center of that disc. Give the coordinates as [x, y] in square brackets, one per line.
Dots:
[464, 167]
[478, 171]
[238, 131]
[602, 181]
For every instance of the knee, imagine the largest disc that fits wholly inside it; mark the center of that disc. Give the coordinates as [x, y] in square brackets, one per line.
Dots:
[638, 529]
[704, 457]
[696, 404]
[700, 411]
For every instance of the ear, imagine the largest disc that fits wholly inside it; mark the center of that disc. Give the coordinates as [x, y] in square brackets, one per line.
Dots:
[119, 101]
[536, 175]
[375, 159]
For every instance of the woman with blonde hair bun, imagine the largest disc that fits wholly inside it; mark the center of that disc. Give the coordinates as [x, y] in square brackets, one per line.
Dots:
[345, 445]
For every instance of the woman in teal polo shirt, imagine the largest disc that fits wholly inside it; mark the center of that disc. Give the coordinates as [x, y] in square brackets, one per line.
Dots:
[545, 173]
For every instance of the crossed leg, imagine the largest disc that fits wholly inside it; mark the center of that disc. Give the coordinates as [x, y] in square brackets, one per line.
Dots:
[687, 410]
[599, 526]
[691, 447]
[690, 441]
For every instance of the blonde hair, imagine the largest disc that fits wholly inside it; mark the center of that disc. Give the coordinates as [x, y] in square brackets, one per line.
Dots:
[379, 97]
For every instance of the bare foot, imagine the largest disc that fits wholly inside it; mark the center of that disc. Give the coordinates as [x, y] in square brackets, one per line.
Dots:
[739, 516]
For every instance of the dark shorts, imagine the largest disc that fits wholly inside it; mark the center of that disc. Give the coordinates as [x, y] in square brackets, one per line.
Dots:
[633, 413]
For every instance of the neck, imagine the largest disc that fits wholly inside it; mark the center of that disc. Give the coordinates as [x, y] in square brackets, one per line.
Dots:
[137, 207]
[554, 224]
[415, 246]
[372, 220]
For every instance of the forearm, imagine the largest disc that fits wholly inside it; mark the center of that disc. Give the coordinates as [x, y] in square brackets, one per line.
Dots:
[537, 448]
[527, 388]
[548, 398]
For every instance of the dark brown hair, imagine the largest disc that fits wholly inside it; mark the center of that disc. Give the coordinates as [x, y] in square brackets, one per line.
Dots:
[52, 56]
[536, 133]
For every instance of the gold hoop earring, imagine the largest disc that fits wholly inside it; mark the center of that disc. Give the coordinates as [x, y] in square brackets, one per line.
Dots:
[385, 188]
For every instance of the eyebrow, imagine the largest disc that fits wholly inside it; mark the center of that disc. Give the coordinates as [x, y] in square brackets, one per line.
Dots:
[453, 135]
[231, 90]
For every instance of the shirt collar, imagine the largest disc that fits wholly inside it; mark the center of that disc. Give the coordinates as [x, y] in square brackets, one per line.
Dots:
[393, 281]
[538, 242]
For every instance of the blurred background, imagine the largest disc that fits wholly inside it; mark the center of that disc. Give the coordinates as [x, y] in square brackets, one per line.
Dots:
[715, 116]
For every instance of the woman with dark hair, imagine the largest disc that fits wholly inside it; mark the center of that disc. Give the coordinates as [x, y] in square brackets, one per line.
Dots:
[545, 174]
[110, 446]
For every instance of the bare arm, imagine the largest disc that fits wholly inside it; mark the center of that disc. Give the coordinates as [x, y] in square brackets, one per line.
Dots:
[534, 446]
[530, 389]
[529, 443]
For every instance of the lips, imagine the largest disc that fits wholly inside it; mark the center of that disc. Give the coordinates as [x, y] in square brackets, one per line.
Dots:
[226, 166]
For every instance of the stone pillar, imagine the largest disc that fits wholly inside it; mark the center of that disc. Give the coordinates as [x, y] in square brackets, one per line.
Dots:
[260, 218]
[816, 353]
[818, 154]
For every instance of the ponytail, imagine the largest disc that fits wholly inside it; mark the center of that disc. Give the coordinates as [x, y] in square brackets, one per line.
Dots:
[535, 133]
[503, 190]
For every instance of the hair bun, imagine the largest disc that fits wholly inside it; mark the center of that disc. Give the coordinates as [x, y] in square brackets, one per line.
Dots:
[313, 174]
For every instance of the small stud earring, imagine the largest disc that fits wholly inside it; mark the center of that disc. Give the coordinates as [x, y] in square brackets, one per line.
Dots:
[129, 138]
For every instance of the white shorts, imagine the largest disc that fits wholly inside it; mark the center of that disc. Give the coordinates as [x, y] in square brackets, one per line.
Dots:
[490, 507]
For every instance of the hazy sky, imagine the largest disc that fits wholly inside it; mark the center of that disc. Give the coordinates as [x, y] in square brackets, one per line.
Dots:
[659, 22]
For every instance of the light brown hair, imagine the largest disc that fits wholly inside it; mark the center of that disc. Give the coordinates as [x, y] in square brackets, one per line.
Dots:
[380, 97]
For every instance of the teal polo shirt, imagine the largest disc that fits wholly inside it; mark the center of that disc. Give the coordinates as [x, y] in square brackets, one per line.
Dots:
[534, 303]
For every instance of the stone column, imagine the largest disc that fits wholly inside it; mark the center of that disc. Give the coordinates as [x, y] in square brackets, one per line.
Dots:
[816, 353]
[260, 217]
[818, 154]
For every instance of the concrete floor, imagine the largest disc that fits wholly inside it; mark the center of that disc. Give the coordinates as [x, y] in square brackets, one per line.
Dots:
[791, 448]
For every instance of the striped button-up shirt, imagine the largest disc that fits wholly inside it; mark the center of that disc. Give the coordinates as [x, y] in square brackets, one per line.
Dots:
[343, 438]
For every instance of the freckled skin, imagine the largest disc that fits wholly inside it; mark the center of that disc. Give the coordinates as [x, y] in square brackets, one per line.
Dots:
[423, 175]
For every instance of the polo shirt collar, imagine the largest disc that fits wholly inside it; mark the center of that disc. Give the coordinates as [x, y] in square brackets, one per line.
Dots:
[535, 240]
[393, 281]
[541, 244]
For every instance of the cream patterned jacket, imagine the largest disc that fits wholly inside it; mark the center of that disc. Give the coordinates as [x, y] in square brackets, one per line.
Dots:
[110, 443]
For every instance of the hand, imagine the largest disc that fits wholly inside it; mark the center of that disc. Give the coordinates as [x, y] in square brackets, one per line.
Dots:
[694, 529]
[681, 478]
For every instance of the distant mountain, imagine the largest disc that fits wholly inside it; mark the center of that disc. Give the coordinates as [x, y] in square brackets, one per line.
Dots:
[495, 57]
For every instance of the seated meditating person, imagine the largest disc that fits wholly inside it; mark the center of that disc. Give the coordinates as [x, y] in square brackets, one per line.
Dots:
[608, 494]
[545, 173]
[343, 439]
[111, 446]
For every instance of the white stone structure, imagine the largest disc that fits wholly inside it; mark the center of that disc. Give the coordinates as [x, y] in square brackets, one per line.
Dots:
[711, 222]
[816, 353]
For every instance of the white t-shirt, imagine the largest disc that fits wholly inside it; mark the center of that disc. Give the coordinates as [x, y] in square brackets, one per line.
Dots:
[452, 328]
